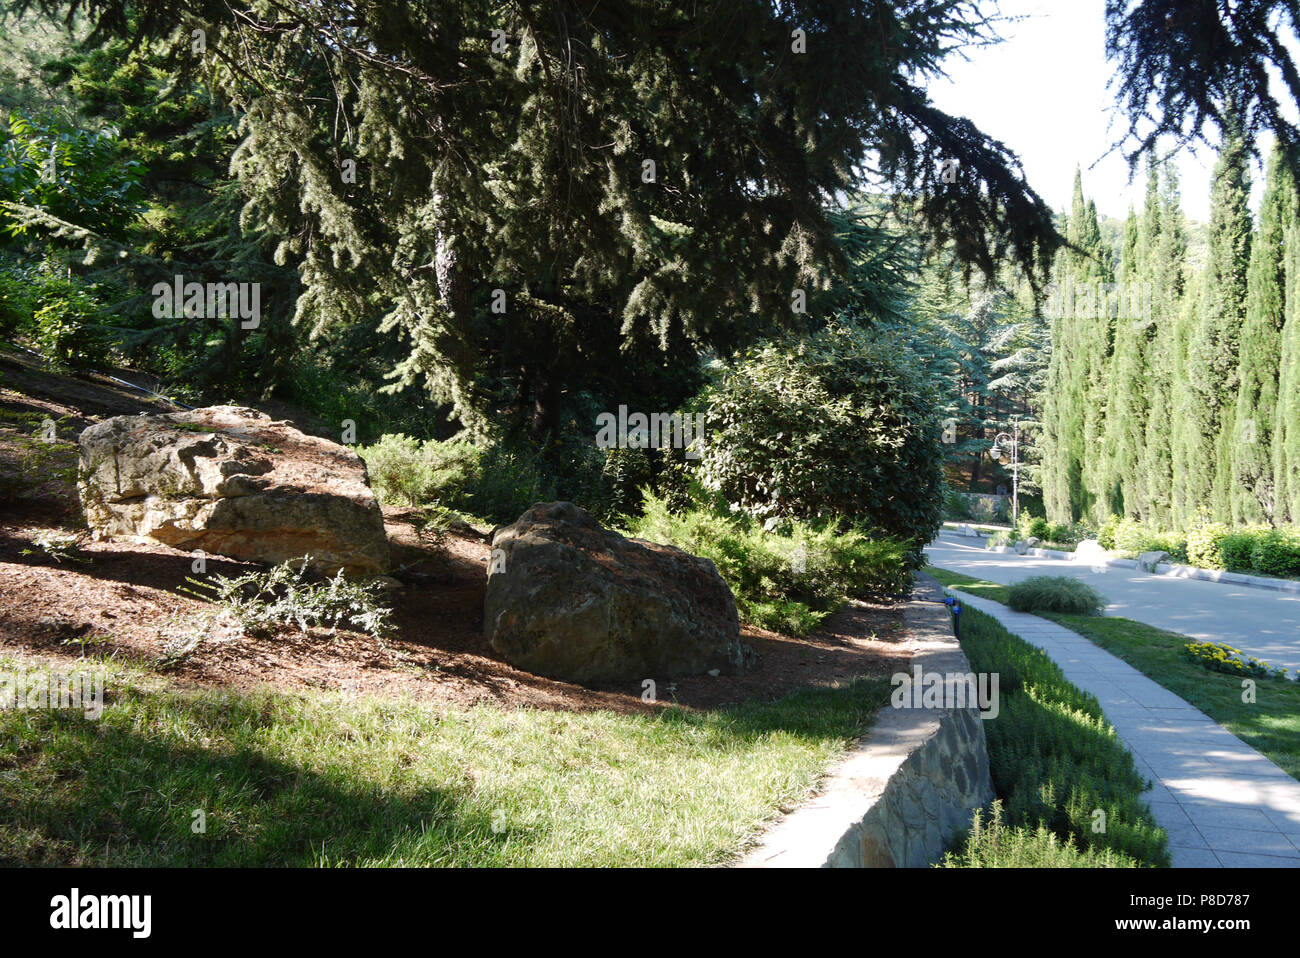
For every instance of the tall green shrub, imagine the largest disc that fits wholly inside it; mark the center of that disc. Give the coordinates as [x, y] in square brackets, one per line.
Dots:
[67, 325]
[842, 424]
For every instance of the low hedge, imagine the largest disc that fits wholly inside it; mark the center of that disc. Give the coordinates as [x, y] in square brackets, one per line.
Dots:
[1058, 768]
[1256, 549]
[1211, 545]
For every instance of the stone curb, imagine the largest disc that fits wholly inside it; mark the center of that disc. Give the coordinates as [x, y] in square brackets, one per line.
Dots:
[1036, 553]
[910, 785]
[1233, 578]
[1172, 570]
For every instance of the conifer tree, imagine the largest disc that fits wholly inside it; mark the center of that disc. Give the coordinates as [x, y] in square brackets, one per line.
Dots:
[1122, 492]
[993, 347]
[1074, 396]
[1286, 428]
[1128, 265]
[1188, 488]
[1059, 440]
[1253, 491]
[1161, 284]
[524, 190]
[1212, 359]
[1183, 65]
[1097, 340]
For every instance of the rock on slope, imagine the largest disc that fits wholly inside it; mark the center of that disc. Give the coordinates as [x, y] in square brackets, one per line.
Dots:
[230, 481]
[569, 599]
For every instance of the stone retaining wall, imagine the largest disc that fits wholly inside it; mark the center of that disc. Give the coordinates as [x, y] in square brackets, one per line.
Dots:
[903, 794]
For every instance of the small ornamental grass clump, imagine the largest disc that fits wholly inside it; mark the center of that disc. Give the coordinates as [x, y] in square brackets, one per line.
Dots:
[1224, 658]
[283, 595]
[1048, 593]
[57, 544]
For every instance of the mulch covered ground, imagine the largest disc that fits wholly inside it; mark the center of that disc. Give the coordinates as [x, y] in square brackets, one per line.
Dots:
[124, 599]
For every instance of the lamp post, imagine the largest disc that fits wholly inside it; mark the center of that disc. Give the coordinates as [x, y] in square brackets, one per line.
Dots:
[996, 453]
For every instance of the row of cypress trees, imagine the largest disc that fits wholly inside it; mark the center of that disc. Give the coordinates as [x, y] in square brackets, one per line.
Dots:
[1173, 390]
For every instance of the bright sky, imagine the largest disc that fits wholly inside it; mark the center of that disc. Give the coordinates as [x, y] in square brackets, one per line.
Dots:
[1043, 93]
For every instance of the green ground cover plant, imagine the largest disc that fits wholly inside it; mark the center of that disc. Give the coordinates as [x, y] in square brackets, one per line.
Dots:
[1057, 767]
[1270, 723]
[786, 578]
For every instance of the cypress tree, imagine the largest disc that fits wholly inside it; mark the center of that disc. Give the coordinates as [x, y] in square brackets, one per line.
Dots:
[1212, 360]
[1126, 409]
[1187, 472]
[1161, 283]
[1286, 428]
[1057, 440]
[1253, 489]
[1128, 265]
[1074, 398]
[1096, 336]
[1056, 446]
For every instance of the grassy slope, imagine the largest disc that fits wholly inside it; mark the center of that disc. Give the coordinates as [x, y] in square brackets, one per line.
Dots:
[318, 779]
[1271, 724]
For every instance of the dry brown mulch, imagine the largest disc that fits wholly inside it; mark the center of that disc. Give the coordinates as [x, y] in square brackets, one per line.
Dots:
[124, 601]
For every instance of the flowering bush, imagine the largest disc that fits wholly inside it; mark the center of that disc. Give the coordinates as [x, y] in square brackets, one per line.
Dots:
[1224, 658]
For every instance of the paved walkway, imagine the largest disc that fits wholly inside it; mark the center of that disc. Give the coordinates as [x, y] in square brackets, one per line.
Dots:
[1222, 802]
[1260, 622]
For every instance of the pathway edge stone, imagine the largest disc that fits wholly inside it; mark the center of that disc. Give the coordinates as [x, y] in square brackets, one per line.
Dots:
[911, 784]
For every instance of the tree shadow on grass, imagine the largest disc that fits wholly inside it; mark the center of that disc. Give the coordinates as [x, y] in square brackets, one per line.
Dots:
[80, 792]
[123, 790]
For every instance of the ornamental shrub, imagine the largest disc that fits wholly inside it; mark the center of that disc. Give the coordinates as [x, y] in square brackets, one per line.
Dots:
[841, 424]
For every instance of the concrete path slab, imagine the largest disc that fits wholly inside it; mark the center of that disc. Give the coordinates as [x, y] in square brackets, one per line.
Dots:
[1222, 803]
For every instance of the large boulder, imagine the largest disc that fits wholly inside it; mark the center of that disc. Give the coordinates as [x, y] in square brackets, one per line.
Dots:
[569, 599]
[232, 482]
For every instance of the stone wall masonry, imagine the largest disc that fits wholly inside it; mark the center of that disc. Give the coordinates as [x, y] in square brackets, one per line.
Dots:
[908, 788]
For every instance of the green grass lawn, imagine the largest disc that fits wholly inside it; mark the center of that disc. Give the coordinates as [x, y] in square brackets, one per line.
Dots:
[987, 590]
[319, 779]
[1271, 724]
